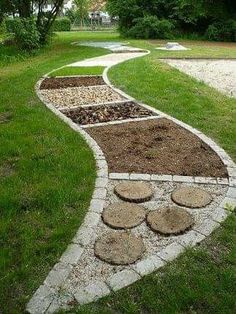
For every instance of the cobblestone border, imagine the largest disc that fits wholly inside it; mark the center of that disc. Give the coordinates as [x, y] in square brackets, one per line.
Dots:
[167, 178]
[49, 298]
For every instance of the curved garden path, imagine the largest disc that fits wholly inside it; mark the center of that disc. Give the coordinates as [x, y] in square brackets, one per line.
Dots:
[80, 276]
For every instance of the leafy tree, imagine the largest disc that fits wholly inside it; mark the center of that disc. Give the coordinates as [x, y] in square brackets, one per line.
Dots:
[26, 8]
[82, 10]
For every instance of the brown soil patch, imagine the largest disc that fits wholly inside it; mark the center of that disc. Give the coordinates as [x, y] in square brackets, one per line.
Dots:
[135, 192]
[191, 197]
[169, 221]
[157, 146]
[65, 82]
[124, 215]
[106, 113]
[119, 248]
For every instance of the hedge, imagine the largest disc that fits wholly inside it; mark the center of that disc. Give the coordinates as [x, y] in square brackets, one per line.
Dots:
[62, 25]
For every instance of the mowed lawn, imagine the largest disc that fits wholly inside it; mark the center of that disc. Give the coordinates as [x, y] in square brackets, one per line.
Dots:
[47, 176]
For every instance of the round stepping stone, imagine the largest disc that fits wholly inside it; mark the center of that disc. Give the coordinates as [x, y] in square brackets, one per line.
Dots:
[119, 248]
[191, 197]
[135, 192]
[169, 221]
[124, 215]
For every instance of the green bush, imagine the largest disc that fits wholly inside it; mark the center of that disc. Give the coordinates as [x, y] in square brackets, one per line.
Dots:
[62, 25]
[151, 27]
[10, 24]
[222, 31]
[26, 34]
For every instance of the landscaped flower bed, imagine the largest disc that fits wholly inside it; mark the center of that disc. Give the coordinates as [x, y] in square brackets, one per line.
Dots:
[105, 113]
[66, 82]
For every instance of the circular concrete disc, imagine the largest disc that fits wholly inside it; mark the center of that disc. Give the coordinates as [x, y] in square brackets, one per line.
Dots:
[191, 197]
[169, 221]
[124, 215]
[136, 192]
[119, 248]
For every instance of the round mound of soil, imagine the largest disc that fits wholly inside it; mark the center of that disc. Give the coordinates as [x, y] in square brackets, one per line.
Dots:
[135, 192]
[169, 221]
[119, 248]
[124, 215]
[191, 197]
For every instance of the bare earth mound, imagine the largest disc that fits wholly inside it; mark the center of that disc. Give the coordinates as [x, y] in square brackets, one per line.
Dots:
[157, 146]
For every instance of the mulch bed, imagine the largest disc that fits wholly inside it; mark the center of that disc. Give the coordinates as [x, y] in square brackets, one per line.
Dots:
[65, 82]
[106, 113]
[156, 146]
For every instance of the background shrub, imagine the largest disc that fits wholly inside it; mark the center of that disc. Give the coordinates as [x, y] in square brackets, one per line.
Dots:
[26, 34]
[10, 24]
[151, 27]
[62, 25]
[222, 31]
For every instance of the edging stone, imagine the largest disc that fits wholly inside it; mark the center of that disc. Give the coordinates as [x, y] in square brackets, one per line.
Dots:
[122, 279]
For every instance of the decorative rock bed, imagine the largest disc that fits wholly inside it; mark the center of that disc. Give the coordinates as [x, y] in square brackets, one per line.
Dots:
[101, 259]
[105, 113]
[79, 96]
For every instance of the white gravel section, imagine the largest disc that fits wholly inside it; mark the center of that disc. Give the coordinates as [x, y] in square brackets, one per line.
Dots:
[108, 60]
[220, 74]
[78, 96]
[90, 268]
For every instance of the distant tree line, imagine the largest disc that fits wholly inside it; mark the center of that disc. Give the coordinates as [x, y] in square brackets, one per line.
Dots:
[213, 19]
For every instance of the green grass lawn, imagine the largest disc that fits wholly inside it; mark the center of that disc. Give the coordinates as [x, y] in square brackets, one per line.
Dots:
[47, 176]
[70, 71]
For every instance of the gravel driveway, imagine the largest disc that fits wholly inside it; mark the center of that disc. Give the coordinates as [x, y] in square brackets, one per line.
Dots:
[220, 74]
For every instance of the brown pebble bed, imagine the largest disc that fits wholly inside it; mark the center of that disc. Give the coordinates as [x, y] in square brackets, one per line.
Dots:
[156, 146]
[106, 113]
[66, 82]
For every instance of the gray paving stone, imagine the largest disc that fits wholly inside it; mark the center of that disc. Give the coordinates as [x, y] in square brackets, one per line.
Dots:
[119, 176]
[100, 193]
[219, 215]
[92, 292]
[232, 181]
[122, 279]
[62, 302]
[58, 275]
[140, 177]
[102, 173]
[231, 192]
[72, 254]
[183, 179]
[200, 180]
[223, 181]
[232, 171]
[190, 238]
[85, 236]
[171, 251]
[207, 227]
[97, 206]
[41, 300]
[101, 164]
[155, 177]
[101, 182]
[91, 220]
[148, 265]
